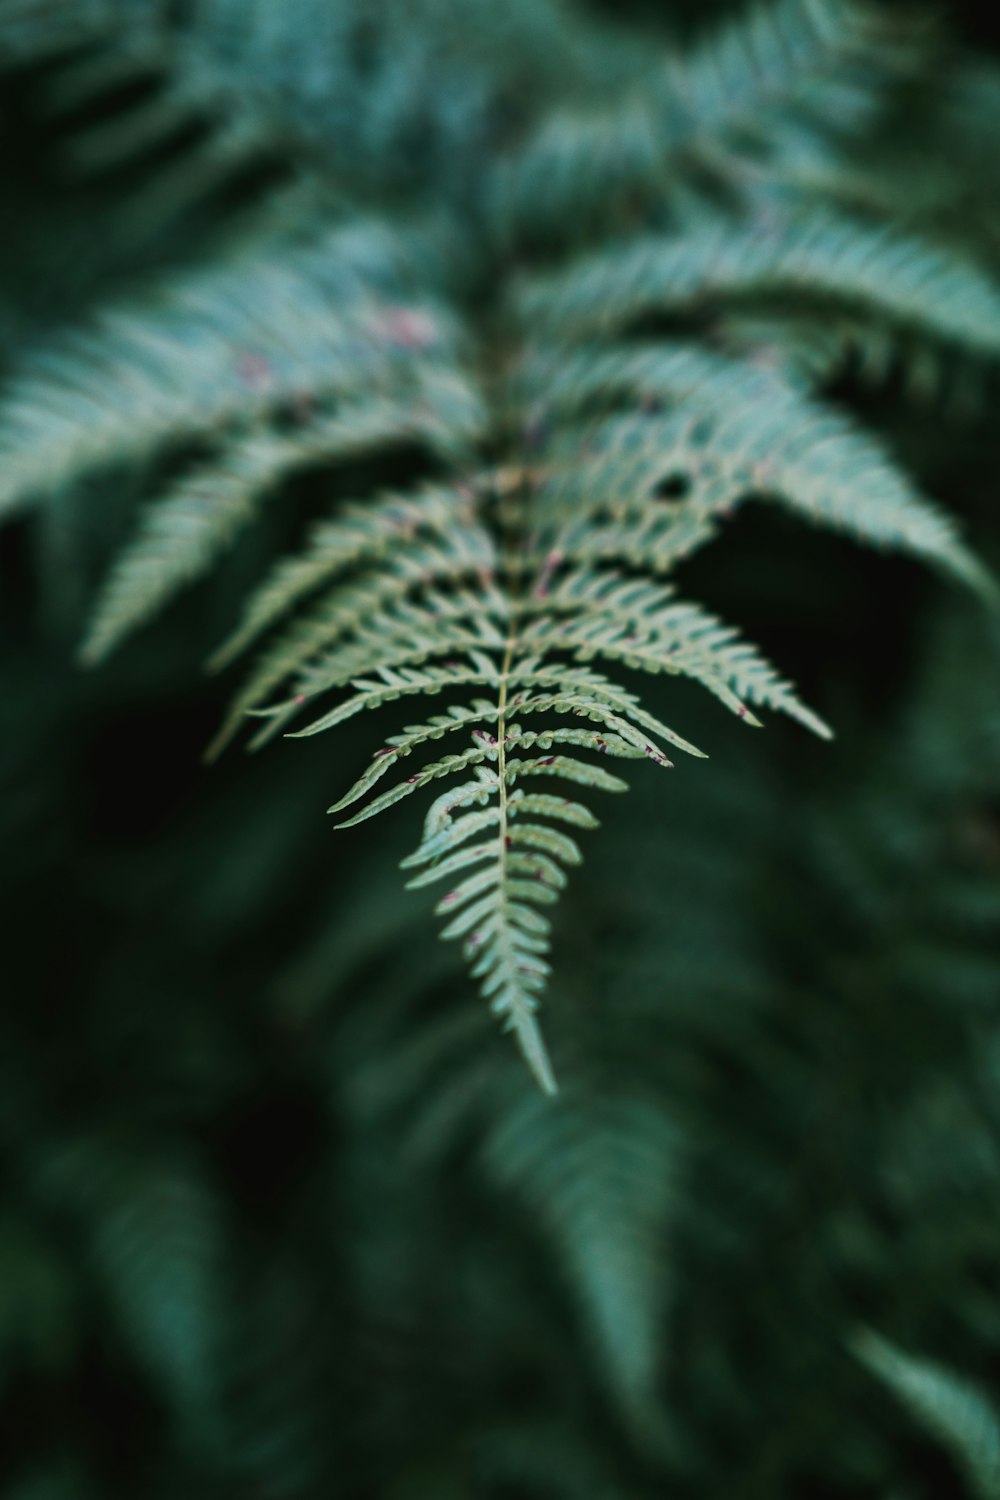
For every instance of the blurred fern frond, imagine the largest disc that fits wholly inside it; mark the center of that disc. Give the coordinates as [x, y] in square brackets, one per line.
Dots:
[950, 1407]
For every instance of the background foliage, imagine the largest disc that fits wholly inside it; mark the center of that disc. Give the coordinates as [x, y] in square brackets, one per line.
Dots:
[281, 1215]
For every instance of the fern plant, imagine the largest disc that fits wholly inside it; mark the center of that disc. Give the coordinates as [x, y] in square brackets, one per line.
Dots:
[591, 327]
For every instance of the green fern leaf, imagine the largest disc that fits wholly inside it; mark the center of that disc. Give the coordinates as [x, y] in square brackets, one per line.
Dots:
[270, 332]
[360, 535]
[627, 620]
[808, 459]
[737, 98]
[951, 1408]
[183, 534]
[156, 1242]
[817, 258]
[595, 1170]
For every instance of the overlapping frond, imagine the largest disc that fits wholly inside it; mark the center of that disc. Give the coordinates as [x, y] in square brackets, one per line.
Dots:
[299, 78]
[808, 259]
[692, 437]
[814, 56]
[387, 549]
[266, 333]
[737, 105]
[644, 626]
[181, 535]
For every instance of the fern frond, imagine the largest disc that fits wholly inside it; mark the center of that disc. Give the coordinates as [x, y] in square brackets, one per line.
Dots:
[266, 333]
[776, 57]
[493, 909]
[562, 571]
[574, 466]
[951, 1408]
[156, 1244]
[360, 535]
[735, 99]
[595, 1171]
[387, 533]
[300, 78]
[686, 470]
[642, 625]
[816, 258]
[211, 56]
[182, 535]
[480, 712]
[729, 431]
[560, 384]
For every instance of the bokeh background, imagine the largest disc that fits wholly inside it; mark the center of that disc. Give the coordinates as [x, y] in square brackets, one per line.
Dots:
[281, 1215]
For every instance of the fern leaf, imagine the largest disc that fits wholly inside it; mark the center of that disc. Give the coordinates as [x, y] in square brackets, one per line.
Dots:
[504, 935]
[156, 1243]
[560, 384]
[595, 1172]
[951, 1408]
[365, 534]
[446, 767]
[493, 909]
[641, 625]
[652, 538]
[774, 57]
[570, 768]
[463, 623]
[575, 466]
[818, 259]
[344, 93]
[267, 333]
[750, 84]
[402, 745]
[182, 535]
[807, 458]
[579, 690]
